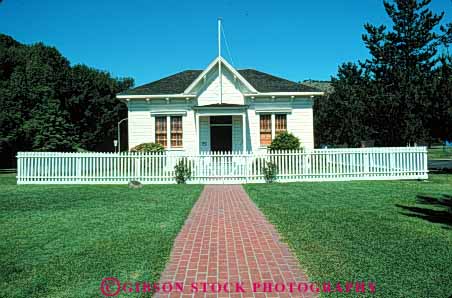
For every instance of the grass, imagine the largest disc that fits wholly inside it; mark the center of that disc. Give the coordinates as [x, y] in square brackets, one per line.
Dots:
[370, 231]
[60, 241]
[440, 152]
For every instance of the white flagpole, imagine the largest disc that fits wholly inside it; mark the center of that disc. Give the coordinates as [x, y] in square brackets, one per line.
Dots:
[219, 61]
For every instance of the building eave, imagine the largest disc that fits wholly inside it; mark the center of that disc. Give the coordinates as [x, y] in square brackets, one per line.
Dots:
[155, 96]
[284, 94]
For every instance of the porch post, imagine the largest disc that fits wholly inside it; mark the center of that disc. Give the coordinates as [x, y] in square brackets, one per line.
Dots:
[244, 132]
[197, 132]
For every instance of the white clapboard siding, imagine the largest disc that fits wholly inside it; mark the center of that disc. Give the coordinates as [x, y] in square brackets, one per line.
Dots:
[223, 167]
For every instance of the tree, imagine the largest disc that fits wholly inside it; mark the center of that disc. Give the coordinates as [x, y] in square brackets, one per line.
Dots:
[441, 108]
[50, 130]
[94, 107]
[401, 66]
[341, 117]
[45, 104]
[391, 97]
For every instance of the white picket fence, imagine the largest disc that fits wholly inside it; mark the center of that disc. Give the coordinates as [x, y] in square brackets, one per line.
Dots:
[223, 167]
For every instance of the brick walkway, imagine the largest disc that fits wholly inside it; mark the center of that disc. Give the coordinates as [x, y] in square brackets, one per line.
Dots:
[227, 239]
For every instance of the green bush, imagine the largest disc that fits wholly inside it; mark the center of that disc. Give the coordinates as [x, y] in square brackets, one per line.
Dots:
[285, 141]
[182, 171]
[270, 170]
[148, 147]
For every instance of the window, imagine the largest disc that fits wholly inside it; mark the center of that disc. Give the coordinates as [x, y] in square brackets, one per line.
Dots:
[176, 131]
[160, 131]
[280, 123]
[266, 130]
[168, 131]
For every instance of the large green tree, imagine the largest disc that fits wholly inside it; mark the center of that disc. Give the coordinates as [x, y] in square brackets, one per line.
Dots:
[402, 64]
[47, 104]
[441, 108]
[338, 116]
[397, 102]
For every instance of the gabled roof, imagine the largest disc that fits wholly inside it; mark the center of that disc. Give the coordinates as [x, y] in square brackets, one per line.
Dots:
[180, 82]
[224, 64]
[173, 84]
[265, 82]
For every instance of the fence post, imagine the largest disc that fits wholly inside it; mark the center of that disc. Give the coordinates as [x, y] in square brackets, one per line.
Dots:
[247, 171]
[78, 168]
[366, 162]
[137, 166]
[425, 158]
[19, 168]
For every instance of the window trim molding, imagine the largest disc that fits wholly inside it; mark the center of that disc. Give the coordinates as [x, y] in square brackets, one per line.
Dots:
[272, 124]
[169, 147]
[168, 113]
[274, 111]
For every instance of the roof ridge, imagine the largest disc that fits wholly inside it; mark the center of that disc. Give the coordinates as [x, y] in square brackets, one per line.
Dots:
[178, 82]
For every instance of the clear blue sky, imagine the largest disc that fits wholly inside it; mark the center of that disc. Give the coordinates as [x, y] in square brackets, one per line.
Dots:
[147, 39]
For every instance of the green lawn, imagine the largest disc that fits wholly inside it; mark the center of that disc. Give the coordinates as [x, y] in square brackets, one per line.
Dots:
[440, 152]
[60, 241]
[348, 231]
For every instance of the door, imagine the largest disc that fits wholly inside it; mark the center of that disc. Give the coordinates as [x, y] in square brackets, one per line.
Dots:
[221, 138]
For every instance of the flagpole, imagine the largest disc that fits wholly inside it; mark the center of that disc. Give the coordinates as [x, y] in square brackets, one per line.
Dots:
[219, 61]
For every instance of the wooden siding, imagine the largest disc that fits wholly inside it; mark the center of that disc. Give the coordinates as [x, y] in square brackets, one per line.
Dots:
[204, 134]
[209, 92]
[237, 133]
[299, 116]
[300, 120]
[142, 124]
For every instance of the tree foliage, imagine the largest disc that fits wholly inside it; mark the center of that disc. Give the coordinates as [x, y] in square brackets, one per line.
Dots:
[148, 147]
[285, 141]
[47, 104]
[399, 95]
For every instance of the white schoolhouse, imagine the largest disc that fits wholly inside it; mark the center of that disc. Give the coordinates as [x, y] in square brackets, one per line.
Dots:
[219, 108]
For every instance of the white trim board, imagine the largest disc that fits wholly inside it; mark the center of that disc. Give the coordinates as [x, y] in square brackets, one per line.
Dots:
[227, 65]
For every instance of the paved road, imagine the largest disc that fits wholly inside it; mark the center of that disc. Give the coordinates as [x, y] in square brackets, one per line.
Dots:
[439, 164]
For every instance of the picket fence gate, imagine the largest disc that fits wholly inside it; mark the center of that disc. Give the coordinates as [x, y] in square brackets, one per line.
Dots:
[390, 163]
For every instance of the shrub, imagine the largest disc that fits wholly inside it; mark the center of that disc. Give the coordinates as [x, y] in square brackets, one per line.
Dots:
[270, 170]
[182, 171]
[148, 147]
[285, 141]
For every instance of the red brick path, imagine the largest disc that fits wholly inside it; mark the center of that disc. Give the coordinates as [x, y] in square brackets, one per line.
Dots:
[227, 239]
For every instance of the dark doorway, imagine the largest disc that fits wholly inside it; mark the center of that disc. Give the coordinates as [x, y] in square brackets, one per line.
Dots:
[221, 133]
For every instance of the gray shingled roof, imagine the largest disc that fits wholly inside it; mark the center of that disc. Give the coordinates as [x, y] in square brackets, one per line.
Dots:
[177, 83]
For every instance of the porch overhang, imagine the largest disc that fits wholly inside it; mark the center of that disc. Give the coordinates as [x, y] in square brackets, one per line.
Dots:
[220, 109]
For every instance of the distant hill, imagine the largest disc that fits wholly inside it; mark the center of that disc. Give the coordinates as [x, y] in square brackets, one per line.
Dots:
[325, 86]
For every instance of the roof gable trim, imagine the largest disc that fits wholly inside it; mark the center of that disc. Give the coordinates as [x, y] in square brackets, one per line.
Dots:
[227, 65]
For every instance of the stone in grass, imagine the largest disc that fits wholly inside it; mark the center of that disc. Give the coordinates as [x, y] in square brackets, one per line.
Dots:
[135, 184]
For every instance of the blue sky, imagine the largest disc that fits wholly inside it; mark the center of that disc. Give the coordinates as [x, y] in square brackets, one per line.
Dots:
[147, 39]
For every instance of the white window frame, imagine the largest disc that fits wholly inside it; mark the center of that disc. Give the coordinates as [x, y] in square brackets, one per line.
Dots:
[168, 128]
[273, 124]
